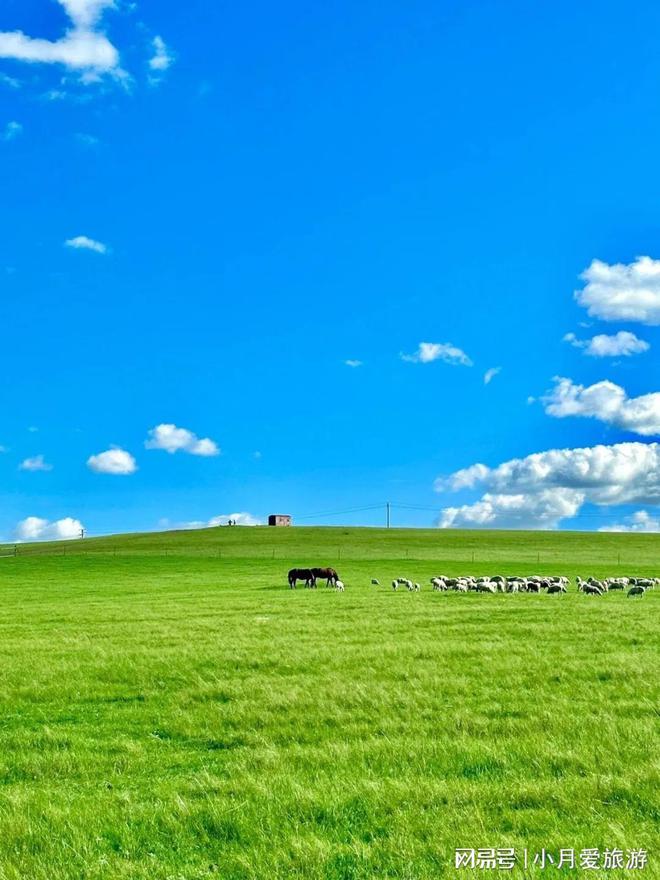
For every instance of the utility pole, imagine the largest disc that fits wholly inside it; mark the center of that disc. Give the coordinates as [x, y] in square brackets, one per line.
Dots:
[82, 533]
[388, 514]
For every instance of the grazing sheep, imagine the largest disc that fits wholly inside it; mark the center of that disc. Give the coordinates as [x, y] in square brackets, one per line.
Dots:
[339, 585]
[592, 590]
[487, 588]
[647, 583]
[556, 588]
[636, 591]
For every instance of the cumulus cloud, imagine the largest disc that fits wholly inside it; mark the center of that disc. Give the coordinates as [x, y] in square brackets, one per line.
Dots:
[82, 242]
[84, 48]
[540, 490]
[12, 130]
[162, 58]
[37, 463]
[353, 363]
[172, 439]
[542, 510]
[621, 344]
[241, 519]
[34, 528]
[427, 352]
[489, 375]
[641, 521]
[622, 292]
[113, 461]
[606, 402]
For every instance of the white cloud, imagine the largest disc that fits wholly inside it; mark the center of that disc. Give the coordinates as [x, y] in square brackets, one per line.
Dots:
[33, 528]
[113, 461]
[353, 363]
[82, 242]
[37, 463]
[622, 292]
[172, 439]
[87, 140]
[434, 351]
[489, 375]
[542, 489]
[621, 344]
[542, 510]
[162, 58]
[641, 521]
[241, 519]
[83, 48]
[606, 402]
[12, 130]
[9, 81]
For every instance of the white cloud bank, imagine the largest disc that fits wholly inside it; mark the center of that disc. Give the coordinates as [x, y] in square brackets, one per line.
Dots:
[606, 402]
[621, 344]
[83, 48]
[37, 463]
[542, 489]
[113, 461]
[427, 352]
[622, 292]
[83, 242]
[641, 521]
[33, 528]
[241, 519]
[172, 439]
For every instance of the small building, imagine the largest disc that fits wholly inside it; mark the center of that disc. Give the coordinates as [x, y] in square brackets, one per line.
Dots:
[279, 519]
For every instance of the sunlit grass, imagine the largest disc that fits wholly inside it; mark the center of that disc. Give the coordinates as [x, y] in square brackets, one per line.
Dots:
[188, 716]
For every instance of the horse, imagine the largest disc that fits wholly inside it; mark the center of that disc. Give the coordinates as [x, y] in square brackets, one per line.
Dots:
[330, 575]
[302, 574]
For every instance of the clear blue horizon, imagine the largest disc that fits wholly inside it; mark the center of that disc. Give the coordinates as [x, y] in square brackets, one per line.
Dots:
[297, 259]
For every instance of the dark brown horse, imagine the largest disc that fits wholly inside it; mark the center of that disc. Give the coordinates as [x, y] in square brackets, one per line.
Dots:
[302, 574]
[328, 574]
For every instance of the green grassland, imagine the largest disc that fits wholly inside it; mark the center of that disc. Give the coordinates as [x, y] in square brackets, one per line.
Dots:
[170, 709]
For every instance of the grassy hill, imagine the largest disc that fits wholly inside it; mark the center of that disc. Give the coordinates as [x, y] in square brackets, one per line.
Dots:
[171, 710]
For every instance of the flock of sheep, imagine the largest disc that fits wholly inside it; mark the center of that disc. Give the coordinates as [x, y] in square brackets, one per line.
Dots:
[636, 586]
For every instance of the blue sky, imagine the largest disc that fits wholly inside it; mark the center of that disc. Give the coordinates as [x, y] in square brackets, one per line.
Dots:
[209, 209]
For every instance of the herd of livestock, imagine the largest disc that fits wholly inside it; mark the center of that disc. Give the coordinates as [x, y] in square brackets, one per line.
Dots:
[635, 586]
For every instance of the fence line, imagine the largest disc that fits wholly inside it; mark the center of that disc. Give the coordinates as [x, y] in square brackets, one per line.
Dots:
[488, 555]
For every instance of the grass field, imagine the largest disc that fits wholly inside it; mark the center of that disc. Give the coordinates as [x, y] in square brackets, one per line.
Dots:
[170, 709]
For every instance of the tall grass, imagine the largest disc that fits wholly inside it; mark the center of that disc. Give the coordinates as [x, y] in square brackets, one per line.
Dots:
[188, 716]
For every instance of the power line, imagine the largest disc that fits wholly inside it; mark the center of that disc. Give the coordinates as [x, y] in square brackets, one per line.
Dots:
[339, 512]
